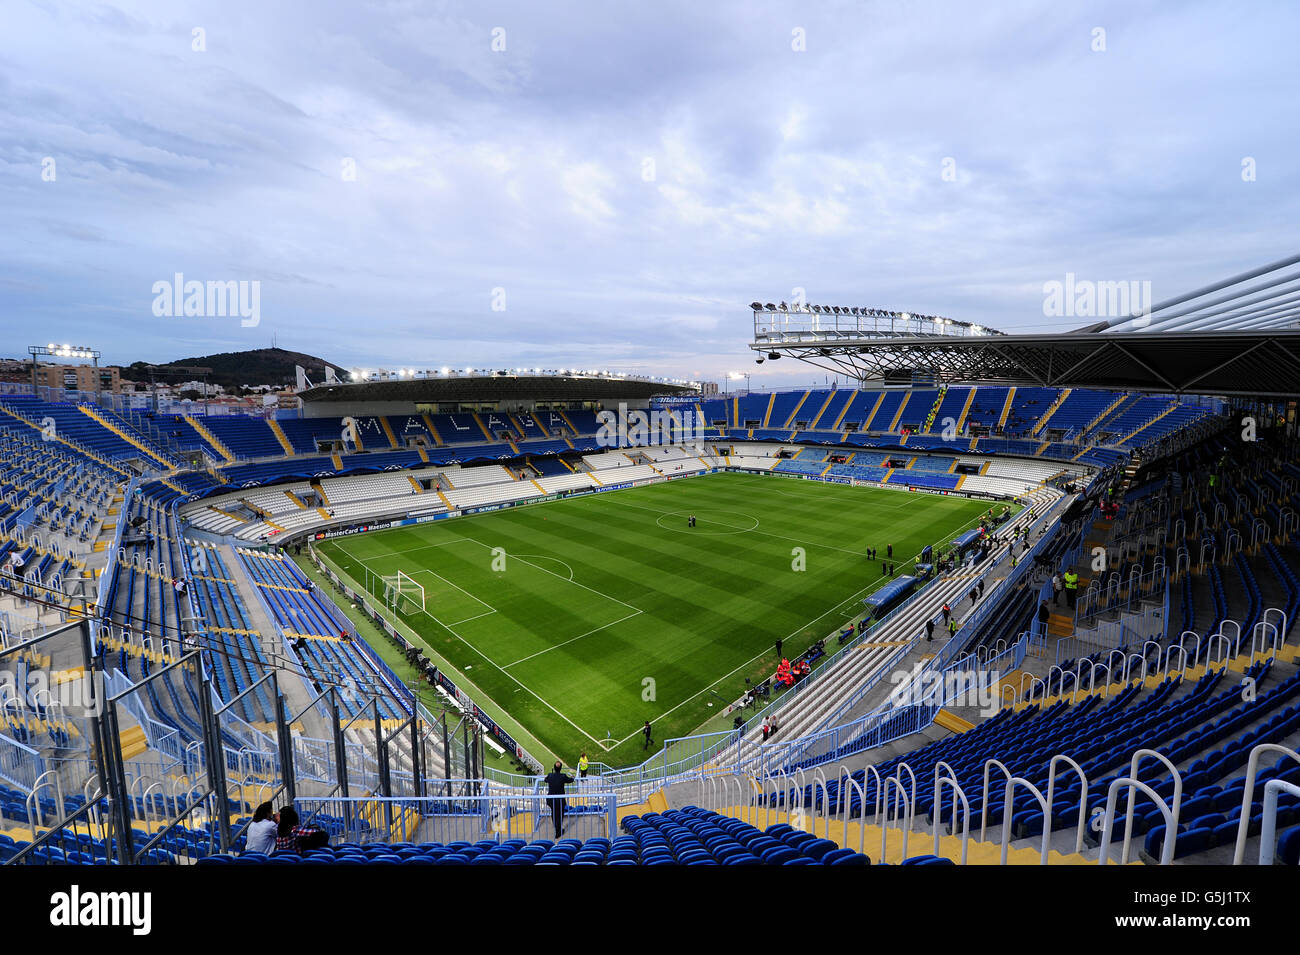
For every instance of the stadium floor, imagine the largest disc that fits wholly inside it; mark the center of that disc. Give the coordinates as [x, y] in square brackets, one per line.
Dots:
[582, 618]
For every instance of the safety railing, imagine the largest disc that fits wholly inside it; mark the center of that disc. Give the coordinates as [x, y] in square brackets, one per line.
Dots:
[478, 813]
[912, 707]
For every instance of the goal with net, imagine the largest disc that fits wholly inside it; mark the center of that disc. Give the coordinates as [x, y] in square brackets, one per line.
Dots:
[402, 594]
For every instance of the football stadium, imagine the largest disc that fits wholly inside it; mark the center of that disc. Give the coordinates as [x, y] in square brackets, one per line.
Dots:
[913, 591]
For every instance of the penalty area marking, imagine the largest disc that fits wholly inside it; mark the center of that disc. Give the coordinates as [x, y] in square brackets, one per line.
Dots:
[557, 560]
[531, 692]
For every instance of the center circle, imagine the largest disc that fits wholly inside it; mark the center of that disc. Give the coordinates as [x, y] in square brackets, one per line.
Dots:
[705, 526]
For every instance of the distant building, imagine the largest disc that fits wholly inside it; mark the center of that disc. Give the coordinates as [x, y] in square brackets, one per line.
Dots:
[280, 401]
[79, 378]
[203, 388]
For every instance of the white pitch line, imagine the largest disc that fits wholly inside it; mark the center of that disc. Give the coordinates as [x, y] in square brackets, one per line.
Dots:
[853, 597]
[537, 696]
[545, 557]
[433, 617]
[848, 600]
[571, 639]
[567, 580]
[476, 616]
[483, 603]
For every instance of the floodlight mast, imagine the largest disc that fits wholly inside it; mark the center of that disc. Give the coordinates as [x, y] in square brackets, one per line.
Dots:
[65, 351]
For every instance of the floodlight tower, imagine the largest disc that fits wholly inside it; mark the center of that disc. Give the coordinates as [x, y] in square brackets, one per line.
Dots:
[64, 351]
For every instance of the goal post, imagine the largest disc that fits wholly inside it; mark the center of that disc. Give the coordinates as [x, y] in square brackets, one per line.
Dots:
[402, 594]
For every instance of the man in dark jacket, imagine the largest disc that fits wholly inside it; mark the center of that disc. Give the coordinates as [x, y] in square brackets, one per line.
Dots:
[555, 783]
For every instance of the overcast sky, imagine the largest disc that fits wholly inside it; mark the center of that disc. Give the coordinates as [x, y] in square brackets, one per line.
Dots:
[621, 180]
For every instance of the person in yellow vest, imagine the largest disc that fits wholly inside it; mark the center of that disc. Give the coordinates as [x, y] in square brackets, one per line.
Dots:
[1071, 587]
[582, 765]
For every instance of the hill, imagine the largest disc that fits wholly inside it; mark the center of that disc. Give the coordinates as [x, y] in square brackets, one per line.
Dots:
[258, 366]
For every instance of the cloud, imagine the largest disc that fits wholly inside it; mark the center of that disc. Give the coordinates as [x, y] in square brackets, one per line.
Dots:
[632, 177]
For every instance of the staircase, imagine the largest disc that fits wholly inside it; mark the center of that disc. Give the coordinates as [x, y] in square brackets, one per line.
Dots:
[568, 422]
[428, 423]
[316, 486]
[158, 457]
[280, 436]
[898, 415]
[1006, 407]
[961, 419]
[211, 438]
[866, 426]
[1051, 410]
[822, 410]
[789, 422]
[1117, 405]
[388, 430]
[1140, 429]
[72, 444]
[934, 410]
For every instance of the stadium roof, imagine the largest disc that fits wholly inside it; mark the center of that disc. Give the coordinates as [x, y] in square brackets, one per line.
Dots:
[498, 386]
[1227, 338]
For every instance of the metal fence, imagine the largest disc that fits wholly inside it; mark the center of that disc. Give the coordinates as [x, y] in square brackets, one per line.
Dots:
[473, 813]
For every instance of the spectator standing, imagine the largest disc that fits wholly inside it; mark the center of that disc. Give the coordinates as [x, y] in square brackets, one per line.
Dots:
[1071, 588]
[556, 780]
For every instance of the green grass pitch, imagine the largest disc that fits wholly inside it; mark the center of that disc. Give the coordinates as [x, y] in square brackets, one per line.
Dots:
[584, 617]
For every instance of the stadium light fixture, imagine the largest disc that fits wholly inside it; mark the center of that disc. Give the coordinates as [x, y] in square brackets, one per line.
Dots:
[65, 351]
